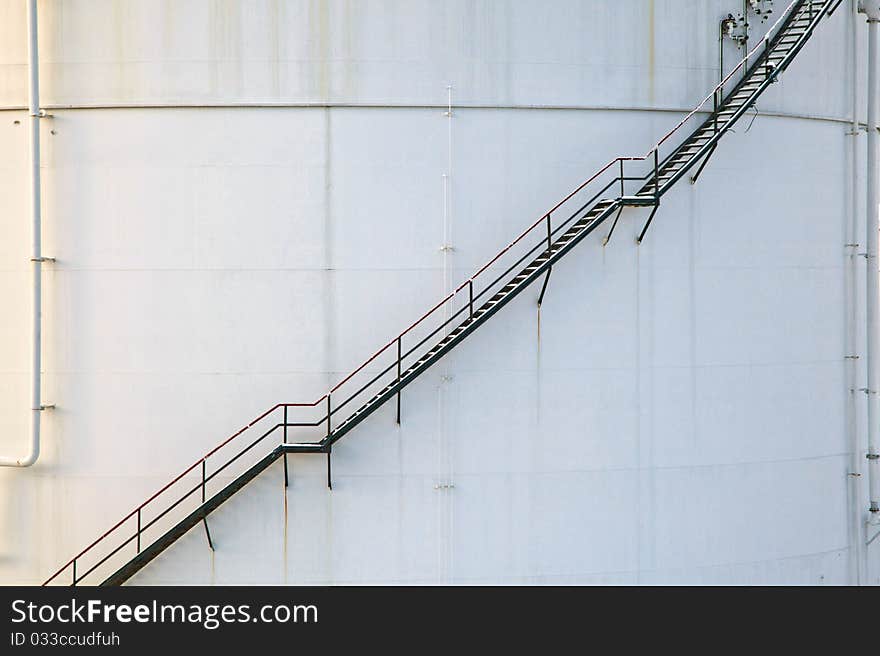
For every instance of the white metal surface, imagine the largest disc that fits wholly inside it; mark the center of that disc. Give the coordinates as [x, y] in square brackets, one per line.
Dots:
[274, 210]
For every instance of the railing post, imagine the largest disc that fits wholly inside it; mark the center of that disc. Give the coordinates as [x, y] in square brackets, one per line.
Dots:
[329, 479]
[715, 109]
[657, 173]
[621, 178]
[74, 572]
[549, 242]
[328, 414]
[139, 532]
[203, 480]
[286, 480]
[471, 296]
[399, 360]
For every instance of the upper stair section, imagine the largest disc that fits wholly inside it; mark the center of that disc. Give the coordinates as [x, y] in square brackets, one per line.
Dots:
[315, 427]
[774, 54]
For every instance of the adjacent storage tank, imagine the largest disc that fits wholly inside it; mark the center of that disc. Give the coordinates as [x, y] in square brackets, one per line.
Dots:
[245, 199]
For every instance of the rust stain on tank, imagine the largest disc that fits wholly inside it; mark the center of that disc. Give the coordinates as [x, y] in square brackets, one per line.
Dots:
[284, 546]
[347, 33]
[275, 46]
[118, 26]
[226, 46]
[319, 41]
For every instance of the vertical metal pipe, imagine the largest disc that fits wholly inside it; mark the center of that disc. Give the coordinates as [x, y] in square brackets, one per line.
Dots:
[859, 563]
[36, 227]
[872, 359]
[36, 248]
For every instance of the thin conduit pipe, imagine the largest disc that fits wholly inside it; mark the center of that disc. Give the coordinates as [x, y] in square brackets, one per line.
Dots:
[859, 565]
[872, 9]
[36, 256]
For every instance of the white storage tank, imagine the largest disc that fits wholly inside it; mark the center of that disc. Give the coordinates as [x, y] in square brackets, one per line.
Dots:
[246, 198]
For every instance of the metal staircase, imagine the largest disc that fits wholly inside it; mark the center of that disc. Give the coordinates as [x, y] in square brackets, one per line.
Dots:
[315, 427]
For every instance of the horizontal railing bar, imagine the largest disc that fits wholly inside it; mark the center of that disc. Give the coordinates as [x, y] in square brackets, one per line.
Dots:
[107, 557]
[242, 452]
[370, 382]
[174, 505]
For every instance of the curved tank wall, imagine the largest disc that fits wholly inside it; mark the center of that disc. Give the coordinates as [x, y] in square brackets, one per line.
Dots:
[245, 199]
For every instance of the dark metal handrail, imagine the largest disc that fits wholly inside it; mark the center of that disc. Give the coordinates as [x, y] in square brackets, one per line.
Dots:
[197, 473]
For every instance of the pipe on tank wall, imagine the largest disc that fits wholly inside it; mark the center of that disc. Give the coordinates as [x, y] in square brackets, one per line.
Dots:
[859, 562]
[36, 256]
[871, 8]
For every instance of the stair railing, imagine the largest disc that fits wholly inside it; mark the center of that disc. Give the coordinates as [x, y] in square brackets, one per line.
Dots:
[317, 425]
